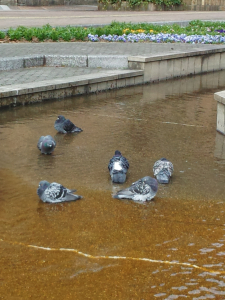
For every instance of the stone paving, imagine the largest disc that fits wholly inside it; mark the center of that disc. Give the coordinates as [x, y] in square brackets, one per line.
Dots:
[98, 48]
[28, 75]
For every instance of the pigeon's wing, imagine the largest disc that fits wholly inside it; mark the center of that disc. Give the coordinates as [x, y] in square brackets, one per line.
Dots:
[68, 126]
[140, 187]
[157, 167]
[59, 126]
[170, 167]
[55, 192]
[124, 162]
[40, 142]
[162, 164]
[112, 161]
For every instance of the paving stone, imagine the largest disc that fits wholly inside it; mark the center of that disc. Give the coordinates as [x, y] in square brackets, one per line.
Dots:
[27, 75]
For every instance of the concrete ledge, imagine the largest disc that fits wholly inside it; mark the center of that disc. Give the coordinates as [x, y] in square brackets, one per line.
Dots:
[162, 67]
[58, 88]
[66, 60]
[13, 63]
[139, 70]
[108, 61]
[92, 61]
[220, 98]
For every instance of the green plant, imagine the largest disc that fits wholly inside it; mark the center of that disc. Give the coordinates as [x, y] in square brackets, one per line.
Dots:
[133, 3]
[69, 33]
[2, 35]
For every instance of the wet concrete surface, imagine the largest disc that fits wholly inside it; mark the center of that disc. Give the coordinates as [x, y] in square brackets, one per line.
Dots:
[92, 248]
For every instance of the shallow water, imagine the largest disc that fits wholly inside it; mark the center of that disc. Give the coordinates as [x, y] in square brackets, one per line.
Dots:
[181, 233]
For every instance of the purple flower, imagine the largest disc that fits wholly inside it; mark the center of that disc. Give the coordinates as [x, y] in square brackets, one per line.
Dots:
[220, 30]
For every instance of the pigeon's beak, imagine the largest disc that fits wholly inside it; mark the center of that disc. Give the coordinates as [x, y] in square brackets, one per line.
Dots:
[163, 176]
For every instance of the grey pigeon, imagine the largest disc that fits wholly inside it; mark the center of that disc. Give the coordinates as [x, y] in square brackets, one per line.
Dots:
[118, 166]
[46, 144]
[55, 192]
[64, 125]
[163, 170]
[142, 190]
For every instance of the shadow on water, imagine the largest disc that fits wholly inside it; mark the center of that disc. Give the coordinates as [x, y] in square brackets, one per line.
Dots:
[184, 223]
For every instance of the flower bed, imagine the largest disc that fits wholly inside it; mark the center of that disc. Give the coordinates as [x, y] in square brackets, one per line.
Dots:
[195, 32]
[159, 38]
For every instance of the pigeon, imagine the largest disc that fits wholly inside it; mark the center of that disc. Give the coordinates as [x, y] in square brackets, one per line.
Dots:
[55, 192]
[118, 166]
[163, 170]
[46, 144]
[142, 190]
[64, 125]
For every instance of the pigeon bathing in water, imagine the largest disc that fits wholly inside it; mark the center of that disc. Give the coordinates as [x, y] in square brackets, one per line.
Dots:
[118, 166]
[163, 170]
[142, 190]
[64, 125]
[46, 144]
[55, 192]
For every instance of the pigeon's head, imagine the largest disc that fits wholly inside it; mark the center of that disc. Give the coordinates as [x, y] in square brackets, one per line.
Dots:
[117, 152]
[61, 118]
[43, 185]
[163, 159]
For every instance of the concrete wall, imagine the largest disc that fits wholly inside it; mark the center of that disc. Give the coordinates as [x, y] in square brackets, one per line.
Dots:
[124, 6]
[8, 2]
[169, 66]
[220, 98]
[48, 2]
[204, 5]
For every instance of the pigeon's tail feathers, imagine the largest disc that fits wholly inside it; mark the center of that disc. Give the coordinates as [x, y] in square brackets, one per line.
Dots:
[71, 197]
[124, 194]
[118, 177]
[162, 164]
[76, 129]
[163, 176]
[71, 191]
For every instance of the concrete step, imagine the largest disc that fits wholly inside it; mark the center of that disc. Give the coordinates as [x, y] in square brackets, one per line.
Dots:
[30, 85]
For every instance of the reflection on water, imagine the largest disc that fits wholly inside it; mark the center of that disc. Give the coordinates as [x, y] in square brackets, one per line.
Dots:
[181, 230]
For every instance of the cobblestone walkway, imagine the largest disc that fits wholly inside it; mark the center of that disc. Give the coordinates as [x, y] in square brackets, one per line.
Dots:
[91, 48]
[28, 75]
